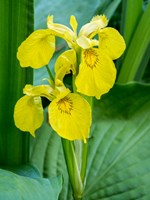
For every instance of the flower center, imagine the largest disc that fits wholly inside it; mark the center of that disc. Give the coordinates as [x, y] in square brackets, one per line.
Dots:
[65, 105]
[91, 58]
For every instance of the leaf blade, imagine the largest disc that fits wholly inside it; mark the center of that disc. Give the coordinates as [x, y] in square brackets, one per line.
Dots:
[20, 187]
[116, 162]
[136, 50]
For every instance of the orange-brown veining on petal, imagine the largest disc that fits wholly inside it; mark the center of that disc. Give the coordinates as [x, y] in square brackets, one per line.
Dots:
[90, 58]
[65, 105]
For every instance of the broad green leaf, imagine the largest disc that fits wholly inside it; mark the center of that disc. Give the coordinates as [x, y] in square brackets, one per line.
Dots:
[63, 9]
[47, 155]
[119, 158]
[24, 170]
[16, 22]
[15, 187]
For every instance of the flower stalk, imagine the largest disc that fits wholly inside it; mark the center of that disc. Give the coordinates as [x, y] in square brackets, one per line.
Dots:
[84, 161]
[50, 73]
[73, 168]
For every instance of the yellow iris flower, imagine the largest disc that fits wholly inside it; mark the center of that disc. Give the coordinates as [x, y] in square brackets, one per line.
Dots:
[97, 73]
[69, 113]
[70, 116]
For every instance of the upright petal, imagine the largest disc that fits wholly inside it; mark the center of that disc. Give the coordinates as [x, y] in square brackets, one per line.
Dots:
[73, 23]
[37, 50]
[111, 42]
[61, 31]
[97, 73]
[97, 23]
[70, 117]
[28, 114]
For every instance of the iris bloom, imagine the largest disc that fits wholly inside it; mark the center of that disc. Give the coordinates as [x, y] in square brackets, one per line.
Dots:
[97, 72]
[69, 113]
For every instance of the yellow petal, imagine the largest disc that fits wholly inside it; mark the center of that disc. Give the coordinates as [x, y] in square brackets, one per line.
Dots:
[61, 31]
[92, 27]
[65, 63]
[28, 114]
[97, 73]
[40, 90]
[86, 43]
[111, 42]
[102, 19]
[70, 117]
[37, 50]
[73, 23]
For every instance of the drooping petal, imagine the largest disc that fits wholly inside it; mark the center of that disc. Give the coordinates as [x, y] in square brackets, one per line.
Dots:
[37, 50]
[97, 73]
[28, 114]
[98, 22]
[70, 117]
[65, 63]
[61, 31]
[40, 90]
[111, 42]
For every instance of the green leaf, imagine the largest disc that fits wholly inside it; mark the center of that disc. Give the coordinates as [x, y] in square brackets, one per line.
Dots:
[24, 170]
[15, 187]
[143, 70]
[67, 8]
[16, 22]
[111, 8]
[136, 50]
[119, 156]
[118, 165]
[130, 19]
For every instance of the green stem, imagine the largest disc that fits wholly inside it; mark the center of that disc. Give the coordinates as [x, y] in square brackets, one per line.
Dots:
[85, 149]
[73, 169]
[50, 73]
[83, 158]
[84, 161]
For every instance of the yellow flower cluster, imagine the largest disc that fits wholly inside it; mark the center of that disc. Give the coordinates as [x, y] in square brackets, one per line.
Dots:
[90, 58]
